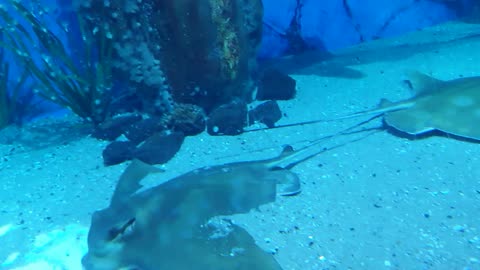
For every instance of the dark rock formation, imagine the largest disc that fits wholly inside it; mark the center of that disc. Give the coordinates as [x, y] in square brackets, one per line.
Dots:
[113, 128]
[228, 119]
[267, 113]
[118, 152]
[187, 118]
[159, 148]
[141, 130]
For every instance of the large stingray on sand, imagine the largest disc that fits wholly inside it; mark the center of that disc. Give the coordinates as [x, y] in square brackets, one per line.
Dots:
[451, 106]
[169, 226]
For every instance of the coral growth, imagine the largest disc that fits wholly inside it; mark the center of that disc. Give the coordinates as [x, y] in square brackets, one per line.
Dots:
[187, 118]
[136, 46]
[200, 52]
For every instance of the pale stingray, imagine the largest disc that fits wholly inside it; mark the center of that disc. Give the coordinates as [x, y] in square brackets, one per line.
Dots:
[169, 226]
[450, 106]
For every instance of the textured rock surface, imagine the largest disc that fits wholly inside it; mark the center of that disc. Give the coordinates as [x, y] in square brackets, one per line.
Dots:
[228, 119]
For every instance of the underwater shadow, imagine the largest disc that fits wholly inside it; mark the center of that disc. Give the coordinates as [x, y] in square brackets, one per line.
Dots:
[394, 52]
[322, 63]
[44, 134]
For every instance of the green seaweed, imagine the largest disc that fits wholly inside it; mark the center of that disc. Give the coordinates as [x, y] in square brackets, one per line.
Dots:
[83, 86]
[4, 96]
[9, 97]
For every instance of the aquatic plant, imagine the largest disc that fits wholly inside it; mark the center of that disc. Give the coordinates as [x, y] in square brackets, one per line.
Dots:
[85, 85]
[5, 108]
[11, 108]
[10, 111]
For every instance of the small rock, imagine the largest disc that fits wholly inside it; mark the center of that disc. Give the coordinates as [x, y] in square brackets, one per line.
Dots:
[160, 147]
[187, 118]
[228, 119]
[113, 128]
[459, 228]
[141, 130]
[267, 113]
[118, 152]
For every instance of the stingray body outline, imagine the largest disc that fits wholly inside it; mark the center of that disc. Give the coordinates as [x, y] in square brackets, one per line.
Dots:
[452, 107]
[167, 226]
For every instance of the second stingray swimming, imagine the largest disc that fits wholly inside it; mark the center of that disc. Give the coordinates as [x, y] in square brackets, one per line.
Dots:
[452, 107]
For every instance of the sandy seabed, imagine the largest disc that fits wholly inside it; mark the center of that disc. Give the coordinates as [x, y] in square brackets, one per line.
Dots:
[385, 202]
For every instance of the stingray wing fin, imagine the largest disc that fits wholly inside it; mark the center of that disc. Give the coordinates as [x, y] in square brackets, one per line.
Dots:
[409, 121]
[423, 84]
[129, 181]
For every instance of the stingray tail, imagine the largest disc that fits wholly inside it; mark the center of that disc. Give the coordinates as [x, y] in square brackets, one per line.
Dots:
[291, 158]
[385, 106]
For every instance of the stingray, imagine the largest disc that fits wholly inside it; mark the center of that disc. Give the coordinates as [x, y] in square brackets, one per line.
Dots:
[170, 225]
[452, 107]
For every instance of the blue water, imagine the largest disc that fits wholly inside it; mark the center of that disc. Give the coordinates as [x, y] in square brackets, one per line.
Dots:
[387, 202]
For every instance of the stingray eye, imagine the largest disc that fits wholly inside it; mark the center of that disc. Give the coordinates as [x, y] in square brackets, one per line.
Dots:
[277, 168]
[408, 84]
[121, 230]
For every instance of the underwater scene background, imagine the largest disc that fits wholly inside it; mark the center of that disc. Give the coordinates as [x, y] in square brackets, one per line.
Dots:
[239, 134]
